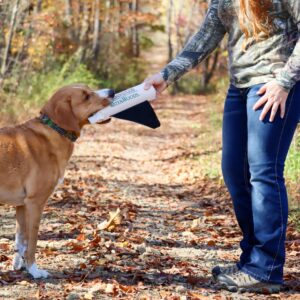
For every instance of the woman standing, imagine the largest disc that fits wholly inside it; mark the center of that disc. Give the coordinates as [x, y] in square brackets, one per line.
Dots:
[261, 113]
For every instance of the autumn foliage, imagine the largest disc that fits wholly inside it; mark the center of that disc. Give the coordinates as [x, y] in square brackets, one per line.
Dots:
[142, 214]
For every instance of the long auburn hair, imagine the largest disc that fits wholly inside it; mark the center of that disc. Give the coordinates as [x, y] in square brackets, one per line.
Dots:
[254, 18]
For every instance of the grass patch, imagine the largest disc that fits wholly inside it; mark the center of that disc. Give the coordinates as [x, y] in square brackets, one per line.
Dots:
[292, 175]
[292, 170]
[294, 217]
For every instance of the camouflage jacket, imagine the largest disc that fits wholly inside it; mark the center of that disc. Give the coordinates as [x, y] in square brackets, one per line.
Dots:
[274, 57]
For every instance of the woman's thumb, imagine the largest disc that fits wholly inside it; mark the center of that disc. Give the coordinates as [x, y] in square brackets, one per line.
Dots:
[147, 84]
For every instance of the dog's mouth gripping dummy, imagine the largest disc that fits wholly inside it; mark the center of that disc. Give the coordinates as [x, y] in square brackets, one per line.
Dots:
[131, 105]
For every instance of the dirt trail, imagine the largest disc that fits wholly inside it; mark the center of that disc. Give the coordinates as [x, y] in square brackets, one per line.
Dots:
[176, 225]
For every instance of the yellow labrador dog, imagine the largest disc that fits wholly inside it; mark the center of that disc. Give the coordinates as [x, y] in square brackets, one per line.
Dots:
[33, 158]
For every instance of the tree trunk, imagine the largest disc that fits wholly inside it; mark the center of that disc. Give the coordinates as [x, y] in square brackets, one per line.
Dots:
[107, 13]
[169, 29]
[135, 31]
[69, 19]
[10, 37]
[175, 86]
[96, 39]
[38, 7]
[188, 31]
[179, 42]
[81, 51]
[29, 32]
[209, 71]
[4, 10]
[68, 12]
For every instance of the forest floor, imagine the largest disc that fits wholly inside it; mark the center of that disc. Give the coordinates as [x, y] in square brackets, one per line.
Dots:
[177, 218]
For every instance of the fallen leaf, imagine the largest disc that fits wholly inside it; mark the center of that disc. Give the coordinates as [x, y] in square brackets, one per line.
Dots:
[127, 288]
[3, 258]
[110, 289]
[196, 224]
[196, 296]
[88, 296]
[4, 246]
[81, 237]
[211, 243]
[115, 219]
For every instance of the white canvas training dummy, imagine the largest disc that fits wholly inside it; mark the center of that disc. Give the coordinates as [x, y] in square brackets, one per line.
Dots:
[132, 105]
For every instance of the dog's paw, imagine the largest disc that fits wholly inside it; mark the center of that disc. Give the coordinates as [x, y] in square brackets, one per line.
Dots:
[36, 273]
[18, 262]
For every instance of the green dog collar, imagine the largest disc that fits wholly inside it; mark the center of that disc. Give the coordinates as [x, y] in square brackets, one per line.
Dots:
[68, 134]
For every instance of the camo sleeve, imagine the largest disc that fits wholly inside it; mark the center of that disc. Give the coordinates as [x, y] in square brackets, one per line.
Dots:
[199, 47]
[290, 74]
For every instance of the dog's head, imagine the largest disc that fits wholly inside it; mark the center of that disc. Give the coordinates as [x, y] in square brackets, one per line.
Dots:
[71, 106]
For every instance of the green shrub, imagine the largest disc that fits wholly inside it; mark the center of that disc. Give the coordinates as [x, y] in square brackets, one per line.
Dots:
[123, 74]
[191, 84]
[292, 169]
[292, 176]
[11, 109]
[294, 217]
[19, 98]
[37, 87]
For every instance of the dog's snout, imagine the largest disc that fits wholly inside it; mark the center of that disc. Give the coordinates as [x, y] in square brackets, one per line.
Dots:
[111, 93]
[106, 93]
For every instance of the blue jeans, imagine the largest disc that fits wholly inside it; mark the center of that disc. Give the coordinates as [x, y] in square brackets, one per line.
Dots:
[253, 159]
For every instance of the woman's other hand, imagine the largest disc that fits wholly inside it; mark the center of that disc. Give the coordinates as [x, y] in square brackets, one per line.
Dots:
[274, 97]
[157, 81]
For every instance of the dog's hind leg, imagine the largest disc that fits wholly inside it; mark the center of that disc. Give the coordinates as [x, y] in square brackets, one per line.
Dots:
[20, 244]
[33, 212]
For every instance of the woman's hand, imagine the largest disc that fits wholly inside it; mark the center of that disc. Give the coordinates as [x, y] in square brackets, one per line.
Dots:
[157, 81]
[274, 97]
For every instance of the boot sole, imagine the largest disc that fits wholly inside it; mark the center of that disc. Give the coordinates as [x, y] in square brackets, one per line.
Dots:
[259, 290]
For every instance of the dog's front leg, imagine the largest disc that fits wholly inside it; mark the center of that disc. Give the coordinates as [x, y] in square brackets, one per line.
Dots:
[33, 212]
[21, 244]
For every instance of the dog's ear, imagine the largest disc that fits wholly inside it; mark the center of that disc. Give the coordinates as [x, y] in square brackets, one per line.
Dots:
[62, 114]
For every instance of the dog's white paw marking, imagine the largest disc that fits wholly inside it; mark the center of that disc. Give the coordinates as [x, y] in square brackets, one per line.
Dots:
[18, 262]
[59, 182]
[36, 272]
[21, 245]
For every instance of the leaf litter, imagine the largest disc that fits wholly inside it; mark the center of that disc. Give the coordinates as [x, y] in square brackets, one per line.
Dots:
[136, 219]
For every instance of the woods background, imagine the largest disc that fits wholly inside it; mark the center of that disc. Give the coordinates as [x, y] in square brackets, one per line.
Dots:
[104, 43]
[175, 216]
[45, 44]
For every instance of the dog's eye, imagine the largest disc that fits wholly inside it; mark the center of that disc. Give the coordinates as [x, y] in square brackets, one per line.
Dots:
[86, 96]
